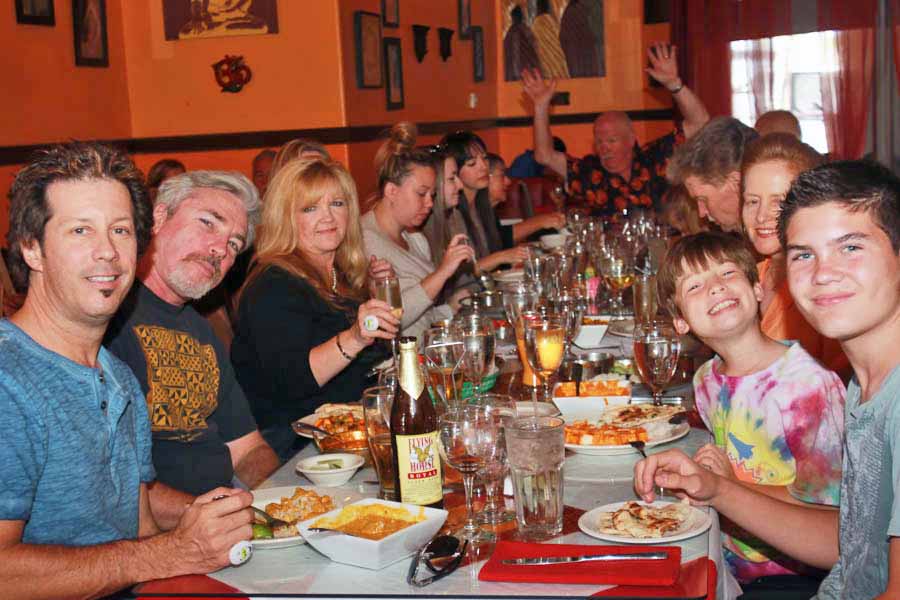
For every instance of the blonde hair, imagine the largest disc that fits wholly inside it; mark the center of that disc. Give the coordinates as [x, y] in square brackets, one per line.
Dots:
[295, 149]
[680, 211]
[398, 154]
[298, 184]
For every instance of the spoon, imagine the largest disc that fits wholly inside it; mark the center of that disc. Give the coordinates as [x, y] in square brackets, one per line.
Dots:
[326, 529]
[268, 519]
[301, 427]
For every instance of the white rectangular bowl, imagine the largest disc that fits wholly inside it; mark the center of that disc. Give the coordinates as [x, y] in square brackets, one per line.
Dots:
[590, 336]
[586, 408]
[371, 554]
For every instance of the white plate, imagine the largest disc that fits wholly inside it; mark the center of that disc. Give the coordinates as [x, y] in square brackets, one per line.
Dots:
[265, 496]
[681, 430]
[697, 522]
[590, 336]
[510, 221]
[586, 408]
[509, 275]
[622, 327]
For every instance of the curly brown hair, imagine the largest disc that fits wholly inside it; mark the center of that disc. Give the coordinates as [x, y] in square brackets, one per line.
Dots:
[29, 210]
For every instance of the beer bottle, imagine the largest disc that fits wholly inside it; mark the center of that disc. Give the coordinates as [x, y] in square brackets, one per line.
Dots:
[414, 434]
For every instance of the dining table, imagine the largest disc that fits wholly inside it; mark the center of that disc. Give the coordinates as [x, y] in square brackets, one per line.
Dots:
[299, 571]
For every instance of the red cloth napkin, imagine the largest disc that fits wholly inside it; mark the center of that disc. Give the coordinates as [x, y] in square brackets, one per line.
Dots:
[626, 572]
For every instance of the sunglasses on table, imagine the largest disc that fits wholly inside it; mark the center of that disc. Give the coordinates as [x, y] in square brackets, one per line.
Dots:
[442, 555]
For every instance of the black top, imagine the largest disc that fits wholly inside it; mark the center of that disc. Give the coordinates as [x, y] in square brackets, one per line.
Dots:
[281, 318]
[195, 403]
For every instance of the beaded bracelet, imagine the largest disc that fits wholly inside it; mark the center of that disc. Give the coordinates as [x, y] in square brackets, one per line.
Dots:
[337, 339]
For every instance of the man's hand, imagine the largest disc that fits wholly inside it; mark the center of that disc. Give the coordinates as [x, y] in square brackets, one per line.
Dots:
[208, 529]
[674, 470]
[540, 91]
[714, 458]
[664, 65]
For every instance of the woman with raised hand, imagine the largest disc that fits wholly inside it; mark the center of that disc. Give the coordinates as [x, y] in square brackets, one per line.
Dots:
[305, 316]
[405, 197]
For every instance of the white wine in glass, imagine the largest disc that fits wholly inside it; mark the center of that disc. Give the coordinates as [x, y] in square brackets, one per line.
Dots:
[387, 289]
[545, 344]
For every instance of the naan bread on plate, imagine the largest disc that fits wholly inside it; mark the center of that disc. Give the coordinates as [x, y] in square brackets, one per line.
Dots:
[636, 415]
[641, 521]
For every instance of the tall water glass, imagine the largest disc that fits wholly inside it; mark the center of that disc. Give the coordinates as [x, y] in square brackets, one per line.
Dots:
[535, 449]
[656, 349]
[646, 301]
[376, 403]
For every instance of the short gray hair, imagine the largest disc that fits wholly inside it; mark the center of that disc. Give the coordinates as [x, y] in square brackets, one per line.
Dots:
[175, 190]
[712, 154]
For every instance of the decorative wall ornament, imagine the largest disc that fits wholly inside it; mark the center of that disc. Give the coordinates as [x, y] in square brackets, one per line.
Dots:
[35, 12]
[393, 70]
[390, 13]
[445, 36]
[89, 26]
[478, 52]
[420, 41]
[198, 19]
[367, 36]
[465, 19]
[232, 74]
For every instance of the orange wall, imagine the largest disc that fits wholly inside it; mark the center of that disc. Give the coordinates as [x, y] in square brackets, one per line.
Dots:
[45, 97]
[296, 74]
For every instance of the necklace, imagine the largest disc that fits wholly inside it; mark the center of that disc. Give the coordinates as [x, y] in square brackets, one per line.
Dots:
[333, 280]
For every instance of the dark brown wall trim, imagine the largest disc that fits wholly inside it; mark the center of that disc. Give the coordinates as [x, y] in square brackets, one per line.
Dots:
[14, 155]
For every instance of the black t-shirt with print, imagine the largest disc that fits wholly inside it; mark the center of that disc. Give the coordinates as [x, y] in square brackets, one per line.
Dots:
[195, 403]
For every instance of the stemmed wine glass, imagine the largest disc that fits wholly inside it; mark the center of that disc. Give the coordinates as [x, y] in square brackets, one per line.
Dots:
[469, 437]
[570, 304]
[478, 340]
[617, 267]
[503, 409]
[656, 349]
[443, 350]
[545, 341]
[387, 289]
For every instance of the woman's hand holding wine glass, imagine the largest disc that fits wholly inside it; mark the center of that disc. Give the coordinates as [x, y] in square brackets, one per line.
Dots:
[378, 313]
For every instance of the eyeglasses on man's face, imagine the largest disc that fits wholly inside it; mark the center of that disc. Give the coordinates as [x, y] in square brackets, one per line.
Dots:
[441, 556]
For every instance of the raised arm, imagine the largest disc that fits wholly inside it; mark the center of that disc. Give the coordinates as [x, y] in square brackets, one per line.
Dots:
[541, 93]
[807, 534]
[664, 69]
[200, 544]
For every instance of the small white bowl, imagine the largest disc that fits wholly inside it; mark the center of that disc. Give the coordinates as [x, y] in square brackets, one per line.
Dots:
[330, 477]
[552, 241]
[371, 554]
[525, 408]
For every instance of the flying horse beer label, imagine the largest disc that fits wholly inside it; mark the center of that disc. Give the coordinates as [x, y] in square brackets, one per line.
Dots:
[419, 468]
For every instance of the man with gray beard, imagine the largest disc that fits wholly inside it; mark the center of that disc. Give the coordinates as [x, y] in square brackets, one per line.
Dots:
[204, 434]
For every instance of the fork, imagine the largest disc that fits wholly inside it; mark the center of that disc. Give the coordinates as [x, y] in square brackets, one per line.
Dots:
[639, 446]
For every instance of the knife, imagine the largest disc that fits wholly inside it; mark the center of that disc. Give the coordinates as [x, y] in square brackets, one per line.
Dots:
[553, 560]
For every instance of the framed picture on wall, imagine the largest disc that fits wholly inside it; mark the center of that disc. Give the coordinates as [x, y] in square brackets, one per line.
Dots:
[478, 52]
[465, 19]
[390, 13]
[35, 12]
[367, 36]
[393, 70]
[89, 28]
[198, 19]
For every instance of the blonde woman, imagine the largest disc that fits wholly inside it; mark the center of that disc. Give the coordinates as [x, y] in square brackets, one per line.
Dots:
[300, 339]
[406, 188]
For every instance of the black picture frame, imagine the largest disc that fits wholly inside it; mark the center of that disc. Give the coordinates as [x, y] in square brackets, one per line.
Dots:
[464, 8]
[367, 42]
[89, 33]
[27, 15]
[390, 13]
[393, 73]
[478, 53]
[657, 11]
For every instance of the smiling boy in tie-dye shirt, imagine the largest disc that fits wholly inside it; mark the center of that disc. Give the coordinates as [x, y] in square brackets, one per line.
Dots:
[775, 413]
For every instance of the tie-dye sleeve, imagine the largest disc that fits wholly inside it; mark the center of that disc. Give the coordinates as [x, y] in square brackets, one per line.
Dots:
[813, 420]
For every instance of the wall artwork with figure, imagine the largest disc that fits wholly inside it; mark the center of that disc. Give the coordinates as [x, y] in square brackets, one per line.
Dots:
[197, 19]
[563, 39]
[89, 32]
[393, 67]
[367, 45]
[35, 12]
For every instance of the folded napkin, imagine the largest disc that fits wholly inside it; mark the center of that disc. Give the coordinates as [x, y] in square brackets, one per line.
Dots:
[625, 572]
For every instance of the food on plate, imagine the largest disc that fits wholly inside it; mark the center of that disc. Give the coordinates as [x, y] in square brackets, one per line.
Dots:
[595, 320]
[304, 504]
[638, 520]
[623, 366]
[602, 385]
[635, 415]
[583, 433]
[346, 424]
[262, 532]
[328, 464]
[371, 521]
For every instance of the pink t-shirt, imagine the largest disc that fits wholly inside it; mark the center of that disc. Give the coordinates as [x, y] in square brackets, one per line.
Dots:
[779, 426]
